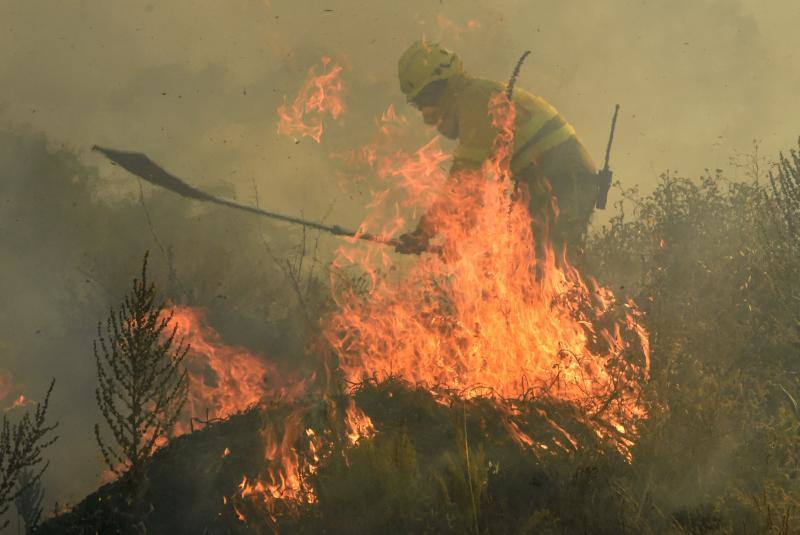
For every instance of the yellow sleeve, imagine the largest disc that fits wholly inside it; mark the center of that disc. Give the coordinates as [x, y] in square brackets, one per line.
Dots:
[475, 130]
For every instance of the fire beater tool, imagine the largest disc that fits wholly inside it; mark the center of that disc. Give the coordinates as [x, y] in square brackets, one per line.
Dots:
[140, 165]
[604, 176]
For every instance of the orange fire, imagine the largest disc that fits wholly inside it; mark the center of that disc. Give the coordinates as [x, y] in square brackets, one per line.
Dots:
[485, 312]
[285, 485]
[359, 425]
[10, 397]
[224, 380]
[320, 95]
[484, 315]
[294, 452]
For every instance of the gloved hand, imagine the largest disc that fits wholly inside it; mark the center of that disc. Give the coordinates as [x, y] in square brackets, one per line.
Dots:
[416, 242]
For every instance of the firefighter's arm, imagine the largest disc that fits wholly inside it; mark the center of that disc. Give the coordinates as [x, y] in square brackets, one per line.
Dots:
[475, 141]
[462, 163]
[418, 241]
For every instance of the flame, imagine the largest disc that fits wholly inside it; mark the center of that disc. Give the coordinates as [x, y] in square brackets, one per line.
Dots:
[486, 312]
[285, 487]
[285, 479]
[21, 401]
[359, 425]
[294, 452]
[223, 379]
[320, 95]
[10, 397]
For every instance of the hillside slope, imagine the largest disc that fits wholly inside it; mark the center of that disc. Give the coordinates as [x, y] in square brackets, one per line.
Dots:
[431, 463]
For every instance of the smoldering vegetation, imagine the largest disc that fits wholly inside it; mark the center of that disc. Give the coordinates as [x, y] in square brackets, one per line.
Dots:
[712, 262]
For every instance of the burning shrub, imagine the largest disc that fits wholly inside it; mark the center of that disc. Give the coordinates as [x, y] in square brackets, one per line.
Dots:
[486, 313]
[441, 464]
[223, 379]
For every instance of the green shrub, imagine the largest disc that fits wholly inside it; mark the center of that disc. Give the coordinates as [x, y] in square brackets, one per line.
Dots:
[712, 269]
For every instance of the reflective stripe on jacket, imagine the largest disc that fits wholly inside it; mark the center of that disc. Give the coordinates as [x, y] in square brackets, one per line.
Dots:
[538, 126]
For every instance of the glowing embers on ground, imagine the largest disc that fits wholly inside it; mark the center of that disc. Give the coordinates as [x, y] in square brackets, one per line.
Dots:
[486, 312]
[320, 95]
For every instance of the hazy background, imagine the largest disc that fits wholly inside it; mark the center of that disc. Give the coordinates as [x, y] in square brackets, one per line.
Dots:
[196, 84]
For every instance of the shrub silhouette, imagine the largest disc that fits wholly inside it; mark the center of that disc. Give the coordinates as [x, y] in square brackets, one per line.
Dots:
[142, 384]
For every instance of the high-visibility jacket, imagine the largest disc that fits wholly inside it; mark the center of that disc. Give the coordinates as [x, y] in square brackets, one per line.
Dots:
[545, 150]
[538, 127]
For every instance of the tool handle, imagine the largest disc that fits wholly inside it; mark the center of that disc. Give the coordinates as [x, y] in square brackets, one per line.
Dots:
[611, 136]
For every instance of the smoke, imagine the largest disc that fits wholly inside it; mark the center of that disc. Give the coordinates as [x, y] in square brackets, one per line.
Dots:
[195, 84]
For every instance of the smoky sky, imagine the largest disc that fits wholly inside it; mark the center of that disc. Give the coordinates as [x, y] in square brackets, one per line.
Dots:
[196, 83]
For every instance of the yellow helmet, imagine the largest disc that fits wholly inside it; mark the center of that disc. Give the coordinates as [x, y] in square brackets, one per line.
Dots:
[423, 63]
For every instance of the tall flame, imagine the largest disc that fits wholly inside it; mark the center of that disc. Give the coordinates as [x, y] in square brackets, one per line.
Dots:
[320, 95]
[486, 311]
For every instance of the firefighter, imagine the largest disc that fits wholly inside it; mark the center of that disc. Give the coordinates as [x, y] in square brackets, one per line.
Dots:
[547, 156]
